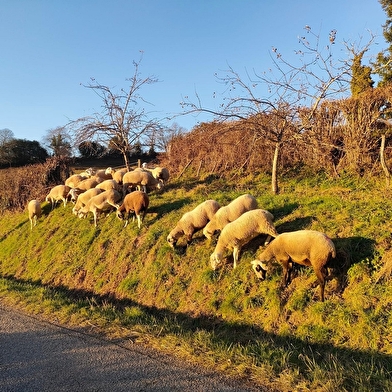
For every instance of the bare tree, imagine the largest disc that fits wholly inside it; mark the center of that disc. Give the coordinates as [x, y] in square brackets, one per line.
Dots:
[315, 77]
[123, 121]
[6, 135]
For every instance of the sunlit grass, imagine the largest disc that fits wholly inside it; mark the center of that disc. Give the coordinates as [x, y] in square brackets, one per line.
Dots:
[128, 282]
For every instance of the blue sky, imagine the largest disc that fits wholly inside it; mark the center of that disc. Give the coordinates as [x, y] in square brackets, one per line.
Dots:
[50, 47]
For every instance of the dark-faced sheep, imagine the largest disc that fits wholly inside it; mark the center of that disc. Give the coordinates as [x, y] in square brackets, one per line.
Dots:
[306, 247]
[34, 210]
[239, 232]
[192, 221]
[230, 213]
[136, 203]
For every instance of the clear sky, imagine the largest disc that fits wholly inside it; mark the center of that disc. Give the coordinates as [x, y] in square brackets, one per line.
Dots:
[50, 47]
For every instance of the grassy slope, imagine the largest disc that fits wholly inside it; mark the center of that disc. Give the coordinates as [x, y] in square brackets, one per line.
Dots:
[131, 282]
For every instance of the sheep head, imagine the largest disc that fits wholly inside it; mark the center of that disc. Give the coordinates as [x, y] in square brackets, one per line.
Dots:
[171, 240]
[215, 260]
[260, 269]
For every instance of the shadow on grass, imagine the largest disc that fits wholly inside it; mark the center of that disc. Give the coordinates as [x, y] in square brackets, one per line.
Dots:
[375, 367]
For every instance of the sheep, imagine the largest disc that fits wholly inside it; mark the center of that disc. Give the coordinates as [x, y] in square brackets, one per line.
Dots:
[103, 202]
[74, 180]
[305, 247]
[87, 184]
[109, 184]
[34, 210]
[84, 197]
[58, 192]
[160, 173]
[192, 221]
[73, 194]
[102, 175]
[136, 202]
[239, 232]
[119, 174]
[229, 213]
[140, 179]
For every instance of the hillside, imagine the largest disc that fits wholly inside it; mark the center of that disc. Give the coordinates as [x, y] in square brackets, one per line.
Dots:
[130, 283]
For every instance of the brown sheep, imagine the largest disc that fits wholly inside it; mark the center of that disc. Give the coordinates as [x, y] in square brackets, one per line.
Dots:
[135, 202]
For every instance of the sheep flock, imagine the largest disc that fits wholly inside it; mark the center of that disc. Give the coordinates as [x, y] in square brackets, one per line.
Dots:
[229, 227]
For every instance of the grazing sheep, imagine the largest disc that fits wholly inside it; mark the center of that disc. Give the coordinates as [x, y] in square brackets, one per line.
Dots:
[192, 221]
[239, 232]
[109, 184]
[140, 179]
[84, 197]
[87, 184]
[102, 175]
[230, 213]
[305, 247]
[58, 192]
[160, 173]
[105, 201]
[34, 210]
[74, 180]
[135, 202]
[119, 174]
[73, 194]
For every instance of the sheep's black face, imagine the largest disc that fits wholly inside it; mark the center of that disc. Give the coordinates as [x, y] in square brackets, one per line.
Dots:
[172, 241]
[259, 270]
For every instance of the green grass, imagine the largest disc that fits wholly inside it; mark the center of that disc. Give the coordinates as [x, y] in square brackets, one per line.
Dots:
[128, 282]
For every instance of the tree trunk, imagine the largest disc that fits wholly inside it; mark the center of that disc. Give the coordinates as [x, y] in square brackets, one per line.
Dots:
[382, 160]
[274, 179]
[126, 161]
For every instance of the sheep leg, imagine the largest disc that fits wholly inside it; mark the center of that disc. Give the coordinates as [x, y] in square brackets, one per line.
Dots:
[139, 221]
[286, 271]
[321, 280]
[236, 253]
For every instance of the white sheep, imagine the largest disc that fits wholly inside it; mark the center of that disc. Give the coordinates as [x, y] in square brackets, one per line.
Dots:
[103, 174]
[88, 184]
[119, 174]
[84, 197]
[230, 213]
[58, 192]
[135, 202]
[105, 201]
[109, 184]
[160, 173]
[239, 232]
[34, 210]
[192, 221]
[141, 180]
[73, 194]
[305, 247]
[74, 180]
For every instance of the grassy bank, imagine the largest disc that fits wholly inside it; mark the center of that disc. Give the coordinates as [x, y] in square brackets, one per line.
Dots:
[129, 283]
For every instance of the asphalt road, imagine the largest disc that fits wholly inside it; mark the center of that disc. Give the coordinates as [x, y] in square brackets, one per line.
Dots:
[39, 356]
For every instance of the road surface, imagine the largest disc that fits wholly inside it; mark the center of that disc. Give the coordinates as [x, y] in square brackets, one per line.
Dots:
[39, 356]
